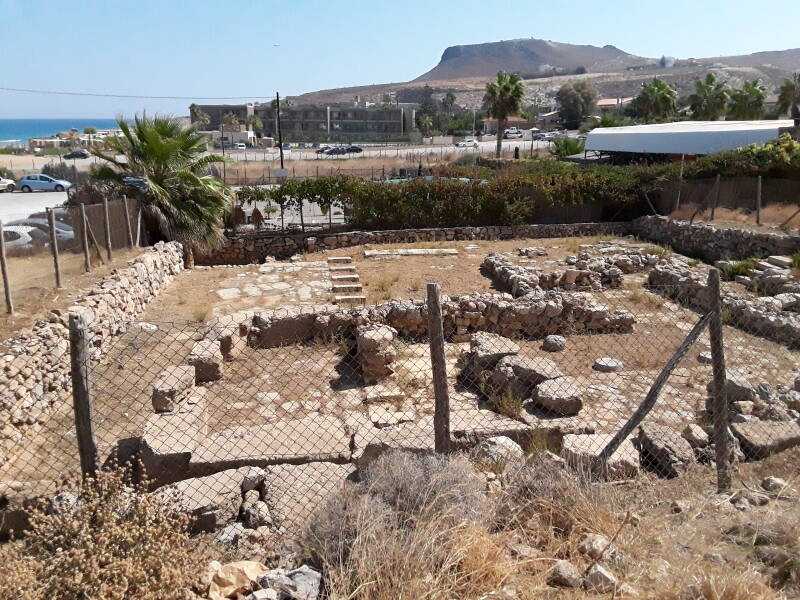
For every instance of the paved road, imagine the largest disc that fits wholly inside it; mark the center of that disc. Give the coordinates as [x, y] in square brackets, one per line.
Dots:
[18, 205]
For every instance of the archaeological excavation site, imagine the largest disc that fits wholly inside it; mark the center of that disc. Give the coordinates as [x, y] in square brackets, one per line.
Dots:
[255, 385]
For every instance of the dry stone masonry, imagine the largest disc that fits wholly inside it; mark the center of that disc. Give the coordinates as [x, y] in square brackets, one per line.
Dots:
[35, 367]
[524, 281]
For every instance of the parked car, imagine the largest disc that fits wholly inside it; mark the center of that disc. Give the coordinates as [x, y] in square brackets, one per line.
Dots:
[240, 146]
[140, 183]
[77, 154]
[42, 183]
[512, 133]
[337, 150]
[323, 149]
[6, 185]
[467, 144]
[63, 231]
[20, 236]
[538, 137]
[355, 149]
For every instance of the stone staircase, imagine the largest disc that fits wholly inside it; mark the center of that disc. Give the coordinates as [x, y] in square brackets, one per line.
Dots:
[345, 282]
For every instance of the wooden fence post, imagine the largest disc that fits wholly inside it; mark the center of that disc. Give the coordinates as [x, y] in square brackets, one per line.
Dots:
[128, 220]
[51, 221]
[81, 394]
[716, 197]
[441, 414]
[87, 259]
[758, 201]
[108, 229]
[720, 401]
[4, 268]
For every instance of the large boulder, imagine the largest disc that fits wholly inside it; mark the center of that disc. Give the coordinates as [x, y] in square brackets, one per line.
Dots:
[669, 453]
[581, 452]
[561, 396]
[171, 386]
[486, 349]
[760, 439]
[520, 374]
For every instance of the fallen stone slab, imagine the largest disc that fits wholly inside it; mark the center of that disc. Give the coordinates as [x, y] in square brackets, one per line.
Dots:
[737, 387]
[784, 262]
[562, 396]
[294, 492]
[339, 260]
[667, 450]
[468, 427]
[206, 358]
[412, 252]
[17, 498]
[315, 437]
[581, 451]
[170, 385]
[346, 288]
[383, 393]
[760, 439]
[486, 349]
[695, 435]
[369, 442]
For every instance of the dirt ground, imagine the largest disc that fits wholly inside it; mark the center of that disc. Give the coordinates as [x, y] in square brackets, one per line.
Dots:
[775, 218]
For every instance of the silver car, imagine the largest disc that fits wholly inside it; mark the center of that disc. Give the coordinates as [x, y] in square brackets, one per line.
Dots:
[6, 185]
[42, 183]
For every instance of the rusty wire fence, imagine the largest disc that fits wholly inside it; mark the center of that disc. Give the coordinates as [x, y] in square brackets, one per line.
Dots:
[256, 417]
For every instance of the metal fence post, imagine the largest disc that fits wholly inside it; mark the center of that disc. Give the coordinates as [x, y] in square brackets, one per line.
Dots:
[720, 399]
[441, 415]
[51, 221]
[4, 268]
[81, 395]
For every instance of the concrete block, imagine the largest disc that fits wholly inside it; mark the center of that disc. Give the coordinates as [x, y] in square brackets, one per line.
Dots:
[170, 386]
[206, 358]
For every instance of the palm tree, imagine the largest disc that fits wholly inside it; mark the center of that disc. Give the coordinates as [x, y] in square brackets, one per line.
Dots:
[503, 99]
[230, 119]
[182, 201]
[448, 102]
[255, 122]
[198, 115]
[789, 93]
[658, 101]
[748, 102]
[709, 100]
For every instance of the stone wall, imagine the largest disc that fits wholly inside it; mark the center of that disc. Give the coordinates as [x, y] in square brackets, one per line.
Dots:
[255, 247]
[772, 317]
[711, 243]
[35, 369]
[549, 313]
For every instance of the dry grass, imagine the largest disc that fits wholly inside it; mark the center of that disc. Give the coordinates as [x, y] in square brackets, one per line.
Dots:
[411, 529]
[109, 541]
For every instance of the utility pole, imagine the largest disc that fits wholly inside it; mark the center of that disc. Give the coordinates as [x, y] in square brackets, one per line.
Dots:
[473, 122]
[280, 137]
[222, 145]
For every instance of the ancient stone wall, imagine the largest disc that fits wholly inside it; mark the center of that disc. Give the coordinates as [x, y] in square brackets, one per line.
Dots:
[711, 243]
[255, 247]
[36, 363]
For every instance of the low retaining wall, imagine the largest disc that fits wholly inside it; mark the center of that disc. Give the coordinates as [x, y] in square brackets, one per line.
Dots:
[711, 243]
[255, 247]
[36, 363]
[774, 318]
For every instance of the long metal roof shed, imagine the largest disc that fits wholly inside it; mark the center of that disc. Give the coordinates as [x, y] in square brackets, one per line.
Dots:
[684, 137]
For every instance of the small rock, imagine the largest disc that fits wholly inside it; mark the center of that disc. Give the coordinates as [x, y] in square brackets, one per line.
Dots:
[256, 515]
[773, 484]
[716, 557]
[268, 594]
[230, 534]
[695, 435]
[608, 365]
[594, 546]
[679, 506]
[554, 343]
[564, 574]
[599, 579]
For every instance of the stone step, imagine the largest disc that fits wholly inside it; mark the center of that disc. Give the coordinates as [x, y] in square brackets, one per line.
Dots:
[350, 299]
[348, 287]
[340, 260]
[412, 252]
[344, 269]
[764, 265]
[348, 277]
[744, 280]
[783, 262]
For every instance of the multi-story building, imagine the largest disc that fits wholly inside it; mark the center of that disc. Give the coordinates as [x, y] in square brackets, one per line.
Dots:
[329, 123]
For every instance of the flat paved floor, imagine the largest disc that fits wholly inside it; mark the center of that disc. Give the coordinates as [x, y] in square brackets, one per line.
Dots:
[17, 205]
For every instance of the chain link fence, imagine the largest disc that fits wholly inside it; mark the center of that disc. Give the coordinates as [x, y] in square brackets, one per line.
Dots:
[255, 417]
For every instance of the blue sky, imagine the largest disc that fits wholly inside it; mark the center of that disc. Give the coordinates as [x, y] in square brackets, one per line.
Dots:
[255, 47]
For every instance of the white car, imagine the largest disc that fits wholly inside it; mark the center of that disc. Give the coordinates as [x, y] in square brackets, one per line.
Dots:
[512, 133]
[7, 185]
[20, 236]
[240, 146]
[467, 144]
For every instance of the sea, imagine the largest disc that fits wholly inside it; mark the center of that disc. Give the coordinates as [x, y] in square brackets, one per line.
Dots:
[17, 132]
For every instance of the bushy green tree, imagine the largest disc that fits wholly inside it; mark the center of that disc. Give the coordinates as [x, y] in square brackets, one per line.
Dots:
[90, 130]
[709, 100]
[657, 101]
[183, 201]
[747, 102]
[576, 102]
[198, 116]
[503, 98]
[789, 94]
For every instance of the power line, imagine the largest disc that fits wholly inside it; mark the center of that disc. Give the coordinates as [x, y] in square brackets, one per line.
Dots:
[62, 93]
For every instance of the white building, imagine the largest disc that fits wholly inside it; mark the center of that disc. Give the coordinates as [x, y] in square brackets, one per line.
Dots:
[684, 137]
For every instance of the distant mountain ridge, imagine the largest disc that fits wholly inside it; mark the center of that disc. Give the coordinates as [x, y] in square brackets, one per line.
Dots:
[526, 56]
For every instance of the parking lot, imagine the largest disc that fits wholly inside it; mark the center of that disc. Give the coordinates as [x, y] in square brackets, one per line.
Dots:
[18, 205]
